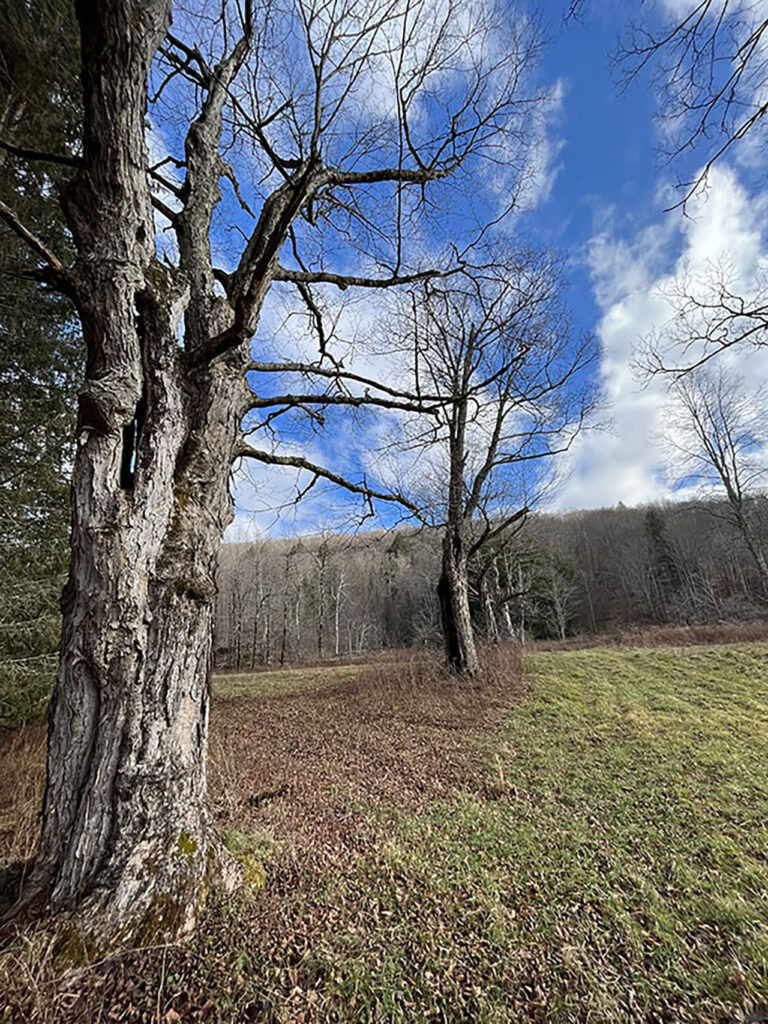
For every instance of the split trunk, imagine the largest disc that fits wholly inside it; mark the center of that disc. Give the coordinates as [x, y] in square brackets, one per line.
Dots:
[126, 842]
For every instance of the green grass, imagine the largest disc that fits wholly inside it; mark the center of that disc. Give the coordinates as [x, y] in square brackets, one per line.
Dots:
[615, 866]
[280, 681]
[25, 690]
[607, 862]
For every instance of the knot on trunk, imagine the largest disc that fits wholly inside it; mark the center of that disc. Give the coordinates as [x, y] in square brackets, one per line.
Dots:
[107, 404]
[165, 297]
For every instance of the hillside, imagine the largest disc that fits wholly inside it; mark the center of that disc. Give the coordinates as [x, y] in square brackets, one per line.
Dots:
[335, 594]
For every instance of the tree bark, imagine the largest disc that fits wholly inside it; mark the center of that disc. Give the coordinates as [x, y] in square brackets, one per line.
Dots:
[126, 841]
[453, 595]
[126, 832]
[489, 609]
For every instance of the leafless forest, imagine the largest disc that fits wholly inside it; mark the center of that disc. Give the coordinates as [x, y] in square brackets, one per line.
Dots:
[338, 595]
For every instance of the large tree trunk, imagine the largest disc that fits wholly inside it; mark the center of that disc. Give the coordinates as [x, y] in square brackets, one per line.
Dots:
[126, 841]
[126, 836]
[453, 594]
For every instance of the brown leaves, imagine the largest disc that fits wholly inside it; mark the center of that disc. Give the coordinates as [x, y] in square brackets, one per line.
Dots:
[398, 735]
[306, 774]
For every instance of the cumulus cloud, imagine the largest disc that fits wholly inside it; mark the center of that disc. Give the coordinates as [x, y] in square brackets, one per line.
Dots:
[634, 280]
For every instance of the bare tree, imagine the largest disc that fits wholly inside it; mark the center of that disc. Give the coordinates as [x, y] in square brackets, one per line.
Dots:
[712, 311]
[711, 64]
[709, 61]
[562, 590]
[716, 437]
[497, 343]
[290, 596]
[336, 130]
[493, 601]
[338, 599]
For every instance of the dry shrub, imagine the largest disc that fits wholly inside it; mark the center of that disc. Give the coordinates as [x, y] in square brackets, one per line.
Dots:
[664, 636]
[717, 633]
[503, 666]
[33, 987]
[419, 680]
[22, 778]
[411, 675]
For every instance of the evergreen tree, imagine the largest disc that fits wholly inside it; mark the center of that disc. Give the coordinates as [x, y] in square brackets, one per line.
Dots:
[39, 352]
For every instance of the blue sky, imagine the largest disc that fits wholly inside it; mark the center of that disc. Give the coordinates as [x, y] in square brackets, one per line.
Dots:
[601, 201]
[604, 140]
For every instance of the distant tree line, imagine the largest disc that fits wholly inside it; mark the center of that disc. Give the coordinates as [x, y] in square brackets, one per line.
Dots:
[319, 597]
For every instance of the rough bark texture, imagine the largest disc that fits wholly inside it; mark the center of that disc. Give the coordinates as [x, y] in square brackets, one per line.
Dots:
[126, 839]
[453, 586]
[453, 594]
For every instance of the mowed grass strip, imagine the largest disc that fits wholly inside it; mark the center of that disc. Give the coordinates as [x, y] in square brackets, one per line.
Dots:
[275, 682]
[613, 865]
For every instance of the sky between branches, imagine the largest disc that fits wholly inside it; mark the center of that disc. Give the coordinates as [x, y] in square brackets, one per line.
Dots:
[601, 191]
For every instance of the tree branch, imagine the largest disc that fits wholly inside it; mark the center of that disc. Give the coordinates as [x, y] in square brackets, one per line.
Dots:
[344, 281]
[34, 154]
[167, 212]
[355, 400]
[342, 375]
[399, 174]
[58, 273]
[490, 532]
[247, 452]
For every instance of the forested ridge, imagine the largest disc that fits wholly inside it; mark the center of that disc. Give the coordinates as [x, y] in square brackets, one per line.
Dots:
[588, 572]
[340, 595]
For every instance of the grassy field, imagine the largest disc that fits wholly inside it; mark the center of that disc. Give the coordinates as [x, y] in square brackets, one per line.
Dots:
[590, 845]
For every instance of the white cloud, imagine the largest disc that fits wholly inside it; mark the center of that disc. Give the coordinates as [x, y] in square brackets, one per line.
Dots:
[632, 280]
[543, 161]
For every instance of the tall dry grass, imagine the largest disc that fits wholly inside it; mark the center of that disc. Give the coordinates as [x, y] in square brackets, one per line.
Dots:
[667, 635]
[416, 686]
[22, 778]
